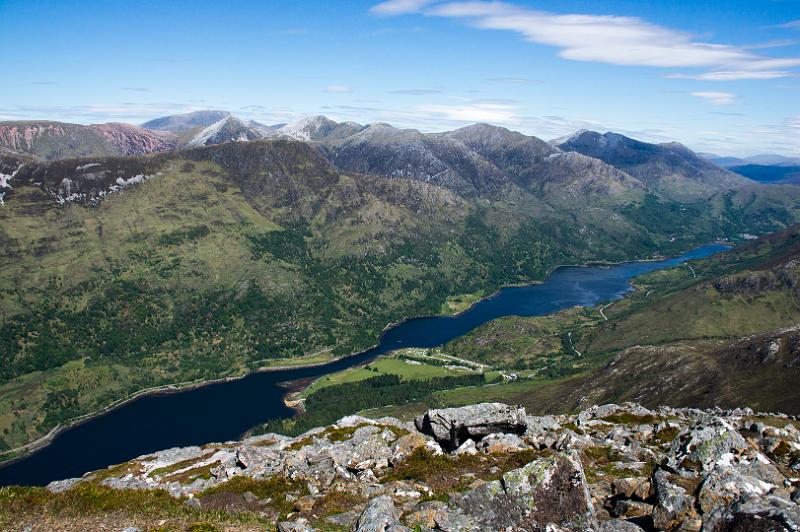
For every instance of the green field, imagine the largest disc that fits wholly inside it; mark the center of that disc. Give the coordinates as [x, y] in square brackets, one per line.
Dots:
[386, 365]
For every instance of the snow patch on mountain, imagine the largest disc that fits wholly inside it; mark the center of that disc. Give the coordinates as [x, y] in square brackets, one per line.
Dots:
[66, 195]
[304, 128]
[568, 138]
[201, 138]
[4, 179]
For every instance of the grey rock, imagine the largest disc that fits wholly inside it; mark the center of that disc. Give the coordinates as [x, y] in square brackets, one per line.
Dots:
[468, 447]
[723, 485]
[711, 441]
[436, 515]
[628, 508]
[452, 426]
[500, 443]
[380, 515]
[767, 514]
[538, 426]
[619, 525]
[547, 491]
[629, 487]
[673, 503]
[131, 529]
[193, 503]
[345, 519]
[59, 486]
[301, 525]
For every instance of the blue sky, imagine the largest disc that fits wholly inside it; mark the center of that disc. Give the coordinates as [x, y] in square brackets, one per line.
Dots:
[720, 76]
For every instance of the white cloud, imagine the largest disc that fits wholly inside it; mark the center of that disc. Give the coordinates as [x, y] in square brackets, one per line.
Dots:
[399, 7]
[627, 41]
[496, 113]
[716, 98]
[338, 89]
[733, 75]
[792, 25]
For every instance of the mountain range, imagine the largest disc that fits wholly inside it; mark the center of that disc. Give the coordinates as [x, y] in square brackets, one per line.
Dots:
[765, 168]
[213, 246]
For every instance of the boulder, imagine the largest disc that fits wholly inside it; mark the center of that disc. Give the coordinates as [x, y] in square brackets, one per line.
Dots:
[500, 443]
[712, 441]
[619, 525]
[59, 486]
[548, 492]
[724, 485]
[468, 447]
[630, 487]
[436, 515]
[452, 426]
[673, 505]
[767, 514]
[380, 515]
[628, 508]
[301, 525]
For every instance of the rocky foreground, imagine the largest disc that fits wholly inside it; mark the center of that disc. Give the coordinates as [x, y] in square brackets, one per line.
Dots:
[493, 467]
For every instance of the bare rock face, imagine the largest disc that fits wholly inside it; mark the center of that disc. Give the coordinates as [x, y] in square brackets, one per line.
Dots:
[452, 426]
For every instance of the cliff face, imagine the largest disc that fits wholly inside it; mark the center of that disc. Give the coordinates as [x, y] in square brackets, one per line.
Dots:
[481, 467]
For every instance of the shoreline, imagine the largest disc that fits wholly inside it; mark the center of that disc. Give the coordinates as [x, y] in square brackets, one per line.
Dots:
[43, 441]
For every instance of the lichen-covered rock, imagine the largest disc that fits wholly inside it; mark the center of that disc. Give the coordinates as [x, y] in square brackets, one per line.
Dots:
[628, 509]
[380, 515]
[767, 514]
[722, 470]
[451, 426]
[301, 525]
[500, 443]
[674, 505]
[724, 485]
[709, 443]
[547, 491]
[619, 525]
[628, 487]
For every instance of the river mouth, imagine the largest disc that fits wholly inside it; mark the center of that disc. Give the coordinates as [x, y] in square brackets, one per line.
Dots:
[223, 411]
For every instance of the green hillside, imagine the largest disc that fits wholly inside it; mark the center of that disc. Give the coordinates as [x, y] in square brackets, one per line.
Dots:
[245, 255]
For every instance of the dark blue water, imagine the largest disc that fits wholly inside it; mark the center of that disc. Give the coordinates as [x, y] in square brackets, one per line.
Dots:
[223, 411]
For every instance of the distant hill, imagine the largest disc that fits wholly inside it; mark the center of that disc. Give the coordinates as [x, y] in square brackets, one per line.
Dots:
[671, 168]
[769, 174]
[717, 332]
[207, 262]
[185, 122]
[59, 140]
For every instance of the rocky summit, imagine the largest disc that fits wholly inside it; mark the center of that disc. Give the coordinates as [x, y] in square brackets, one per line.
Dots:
[488, 467]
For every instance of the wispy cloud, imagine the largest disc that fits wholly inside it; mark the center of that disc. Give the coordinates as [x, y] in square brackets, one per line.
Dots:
[792, 25]
[44, 83]
[122, 112]
[733, 75]
[341, 89]
[771, 44]
[137, 89]
[716, 98]
[617, 40]
[399, 7]
[724, 113]
[497, 113]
